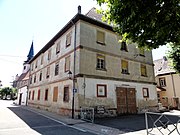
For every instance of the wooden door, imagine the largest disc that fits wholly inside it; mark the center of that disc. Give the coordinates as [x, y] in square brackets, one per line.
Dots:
[20, 98]
[126, 100]
[121, 100]
[131, 100]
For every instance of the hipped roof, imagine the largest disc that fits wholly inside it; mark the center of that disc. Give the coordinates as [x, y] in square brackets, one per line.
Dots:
[90, 17]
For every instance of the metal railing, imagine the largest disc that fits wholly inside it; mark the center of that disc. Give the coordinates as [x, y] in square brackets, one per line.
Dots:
[87, 114]
[162, 123]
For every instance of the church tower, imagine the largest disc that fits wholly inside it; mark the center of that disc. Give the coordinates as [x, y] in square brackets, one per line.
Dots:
[26, 65]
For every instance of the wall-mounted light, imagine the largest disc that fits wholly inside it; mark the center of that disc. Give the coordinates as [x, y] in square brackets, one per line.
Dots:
[69, 74]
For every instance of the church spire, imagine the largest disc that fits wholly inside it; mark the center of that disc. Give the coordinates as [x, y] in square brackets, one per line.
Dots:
[31, 53]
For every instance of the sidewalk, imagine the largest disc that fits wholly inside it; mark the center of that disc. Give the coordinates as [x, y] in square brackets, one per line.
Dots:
[77, 123]
[90, 127]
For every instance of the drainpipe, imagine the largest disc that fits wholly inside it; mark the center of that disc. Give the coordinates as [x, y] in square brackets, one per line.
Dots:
[74, 70]
[74, 65]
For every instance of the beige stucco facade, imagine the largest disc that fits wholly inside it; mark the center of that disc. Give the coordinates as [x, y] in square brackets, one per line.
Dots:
[171, 89]
[167, 83]
[86, 75]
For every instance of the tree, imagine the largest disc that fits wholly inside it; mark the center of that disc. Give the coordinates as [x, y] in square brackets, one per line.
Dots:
[8, 91]
[149, 23]
[174, 55]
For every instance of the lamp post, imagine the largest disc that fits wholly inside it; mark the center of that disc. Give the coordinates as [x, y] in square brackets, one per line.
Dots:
[73, 90]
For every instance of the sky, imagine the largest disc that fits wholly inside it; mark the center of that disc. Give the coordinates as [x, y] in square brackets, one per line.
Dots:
[24, 21]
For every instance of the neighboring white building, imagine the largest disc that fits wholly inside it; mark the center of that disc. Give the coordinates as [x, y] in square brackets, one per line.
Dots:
[105, 72]
[168, 83]
[23, 80]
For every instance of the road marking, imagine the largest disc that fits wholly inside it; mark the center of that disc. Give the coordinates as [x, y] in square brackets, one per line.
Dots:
[47, 126]
[82, 130]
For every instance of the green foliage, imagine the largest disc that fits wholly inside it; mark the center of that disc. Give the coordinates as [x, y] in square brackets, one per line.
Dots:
[149, 23]
[174, 55]
[7, 91]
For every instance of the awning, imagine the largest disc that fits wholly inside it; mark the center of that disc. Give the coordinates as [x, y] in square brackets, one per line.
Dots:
[160, 89]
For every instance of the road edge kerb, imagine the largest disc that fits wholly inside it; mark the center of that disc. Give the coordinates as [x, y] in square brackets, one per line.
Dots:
[75, 123]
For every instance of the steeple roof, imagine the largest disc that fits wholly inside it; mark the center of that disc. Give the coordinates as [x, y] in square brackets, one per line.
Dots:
[31, 53]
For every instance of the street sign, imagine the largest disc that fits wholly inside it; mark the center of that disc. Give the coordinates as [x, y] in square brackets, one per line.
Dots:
[75, 90]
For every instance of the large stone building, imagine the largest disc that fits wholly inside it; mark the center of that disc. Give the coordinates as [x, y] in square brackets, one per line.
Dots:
[86, 57]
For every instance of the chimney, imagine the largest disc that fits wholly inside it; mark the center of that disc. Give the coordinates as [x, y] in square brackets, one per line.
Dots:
[79, 9]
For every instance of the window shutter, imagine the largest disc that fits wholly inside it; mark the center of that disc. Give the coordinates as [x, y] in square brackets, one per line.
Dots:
[100, 37]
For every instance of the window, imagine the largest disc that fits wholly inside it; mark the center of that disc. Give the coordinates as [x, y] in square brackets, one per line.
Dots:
[55, 94]
[42, 59]
[145, 92]
[33, 95]
[32, 65]
[141, 52]
[58, 47]
[66, 94]
[34, 78]
[143, 70]
[67, 63]
[49, 54]
[100, 62]
[48, 72]
[24, 67]
[39, 92]
[101, 90]
[40, 76]
[68, 39]
[57, 69]
[100, 37]
[124, 67]
[36, 64]
[46, 94]
[29, 95]
[124, 46]
[30, 80]
[162, 82]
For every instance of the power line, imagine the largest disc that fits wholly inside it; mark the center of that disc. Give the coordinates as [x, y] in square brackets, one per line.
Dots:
[11, 56]
[10, 61]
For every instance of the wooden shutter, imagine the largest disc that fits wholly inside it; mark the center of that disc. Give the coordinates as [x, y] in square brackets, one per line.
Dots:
[55, 94]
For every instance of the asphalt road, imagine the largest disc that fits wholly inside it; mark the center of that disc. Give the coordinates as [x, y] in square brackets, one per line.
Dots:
[131, 123]
[16, 120]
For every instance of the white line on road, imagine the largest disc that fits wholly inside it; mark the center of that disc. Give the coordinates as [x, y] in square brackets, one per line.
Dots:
[47, 126]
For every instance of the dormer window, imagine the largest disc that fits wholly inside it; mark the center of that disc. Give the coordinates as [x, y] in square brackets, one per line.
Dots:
[124, 46]
[141, 52]
[100, 37]
[68, 39]
[49, 54]
[32, 66]
[42, 57]
[36, 63]
[58, 47]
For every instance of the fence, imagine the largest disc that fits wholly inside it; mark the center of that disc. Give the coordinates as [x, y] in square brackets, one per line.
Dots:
[87, 114]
